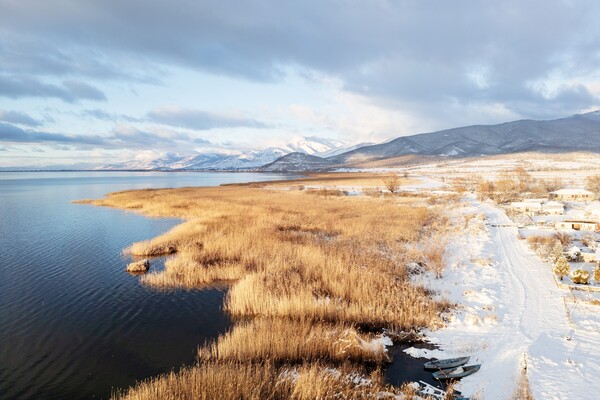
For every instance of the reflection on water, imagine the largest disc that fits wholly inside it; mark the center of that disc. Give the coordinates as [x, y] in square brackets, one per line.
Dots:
[73, 323]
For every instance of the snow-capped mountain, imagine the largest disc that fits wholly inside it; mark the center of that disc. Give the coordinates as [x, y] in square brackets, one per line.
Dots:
[315, 146]
[322, 147]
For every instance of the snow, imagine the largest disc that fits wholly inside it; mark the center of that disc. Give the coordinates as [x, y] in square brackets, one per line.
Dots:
[572, 192]
[511, 314]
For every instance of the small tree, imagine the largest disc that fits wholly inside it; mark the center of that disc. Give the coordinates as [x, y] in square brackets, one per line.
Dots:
[506, 189]
[593, 184]
[392, 183]
[562, 268]
[554, 251]
[524, 180]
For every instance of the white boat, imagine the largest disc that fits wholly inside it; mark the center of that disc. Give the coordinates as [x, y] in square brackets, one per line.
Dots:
[447, 363]
[428, 391]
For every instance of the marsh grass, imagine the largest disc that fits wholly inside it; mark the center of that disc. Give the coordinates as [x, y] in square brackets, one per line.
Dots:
[311, 276]
[285, 340]
[263, 381]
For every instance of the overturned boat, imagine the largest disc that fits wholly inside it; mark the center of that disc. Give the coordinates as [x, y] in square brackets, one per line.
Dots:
[456, 373]
[447, 363]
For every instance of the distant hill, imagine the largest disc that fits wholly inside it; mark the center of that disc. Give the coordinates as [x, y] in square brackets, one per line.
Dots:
[297, 162]
[579, 132]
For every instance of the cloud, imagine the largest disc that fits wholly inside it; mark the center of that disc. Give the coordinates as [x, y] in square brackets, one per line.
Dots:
[17, 117]
[81, 90]
[200, 120]
[12, 133]
[122, 136]
[427, 66]
[16, 87]
[107, 116]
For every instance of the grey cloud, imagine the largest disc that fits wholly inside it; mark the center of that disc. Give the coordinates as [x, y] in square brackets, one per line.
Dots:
[107, 116]
[394, 52]
[82, 90]
[121, 137]
[200, 120]
[20, 86]
[16, 117]
[11, 133]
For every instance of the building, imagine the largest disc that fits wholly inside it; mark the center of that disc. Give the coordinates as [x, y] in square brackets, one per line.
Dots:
[538, 206]
[572, 195]
[589, 256]
[576, 225]
[553, 208]
[526, 206]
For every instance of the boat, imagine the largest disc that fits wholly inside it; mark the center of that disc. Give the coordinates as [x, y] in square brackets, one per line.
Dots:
[428, 391]
[447, 363]
[456, 373]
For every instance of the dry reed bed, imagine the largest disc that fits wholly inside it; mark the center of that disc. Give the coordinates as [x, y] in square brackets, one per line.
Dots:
[282, 340]
[316, 272]
[265, 381]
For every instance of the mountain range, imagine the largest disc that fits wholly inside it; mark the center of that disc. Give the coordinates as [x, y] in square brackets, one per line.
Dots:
[313, 146]
[580, 132]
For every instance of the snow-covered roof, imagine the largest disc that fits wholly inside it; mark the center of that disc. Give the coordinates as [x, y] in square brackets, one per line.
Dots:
[526, 204]
[534, 200]
[554, 204]
[572, 191]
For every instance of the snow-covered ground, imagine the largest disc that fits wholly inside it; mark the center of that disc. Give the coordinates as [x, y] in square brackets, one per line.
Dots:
[511, 314]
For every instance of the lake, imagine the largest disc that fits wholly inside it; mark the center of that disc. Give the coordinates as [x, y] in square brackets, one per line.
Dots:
[73, 323]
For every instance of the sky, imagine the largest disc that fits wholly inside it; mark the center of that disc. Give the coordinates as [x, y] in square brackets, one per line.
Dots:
[107, 81]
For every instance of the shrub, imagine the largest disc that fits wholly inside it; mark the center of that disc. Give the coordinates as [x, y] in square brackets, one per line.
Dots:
[392, 183]
[562, 268]
[563, 237]
[589, 240]
[580, 276]
[597, 273]
[547, 247]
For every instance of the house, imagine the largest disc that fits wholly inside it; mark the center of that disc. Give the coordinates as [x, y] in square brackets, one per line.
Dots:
[526, 206]
[572, 195]
[553, 208]
[538, 206]
[577, 225]
[589, 257]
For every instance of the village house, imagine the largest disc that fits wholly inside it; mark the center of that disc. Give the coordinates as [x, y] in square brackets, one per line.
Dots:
[576, 225]
[572, 195]
[539, 206]
[589, 256]
[553, 208]
[526, 206]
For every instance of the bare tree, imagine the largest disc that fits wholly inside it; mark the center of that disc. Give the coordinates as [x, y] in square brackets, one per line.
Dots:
[592, 184]
[392, 183]
[524, 180]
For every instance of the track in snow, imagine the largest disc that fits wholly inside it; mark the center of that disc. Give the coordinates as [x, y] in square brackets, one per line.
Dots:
[562, 362]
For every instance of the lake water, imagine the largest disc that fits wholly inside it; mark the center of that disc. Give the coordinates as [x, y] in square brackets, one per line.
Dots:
[73, 323]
